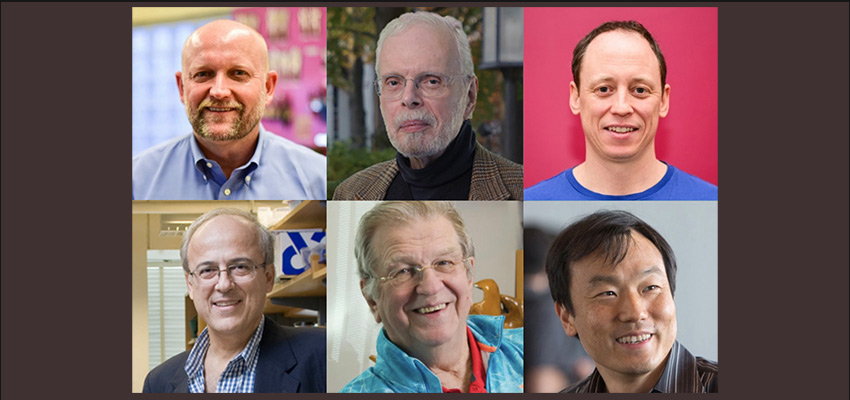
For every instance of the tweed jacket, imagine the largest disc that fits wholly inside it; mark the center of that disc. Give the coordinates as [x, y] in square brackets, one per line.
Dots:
[493, 178]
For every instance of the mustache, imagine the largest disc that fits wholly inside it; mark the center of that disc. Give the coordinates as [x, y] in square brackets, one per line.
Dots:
[423, 116]
[220, 104]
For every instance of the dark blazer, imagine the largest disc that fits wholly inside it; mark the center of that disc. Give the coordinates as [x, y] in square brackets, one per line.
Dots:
[493, 178]
[292, 360]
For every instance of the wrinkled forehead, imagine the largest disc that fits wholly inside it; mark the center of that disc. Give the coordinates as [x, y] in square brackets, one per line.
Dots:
[419, 237]
[421, 45]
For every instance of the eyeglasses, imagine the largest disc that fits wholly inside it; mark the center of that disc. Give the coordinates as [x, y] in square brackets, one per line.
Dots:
[391, 87]
[238, 273]
[406, 275]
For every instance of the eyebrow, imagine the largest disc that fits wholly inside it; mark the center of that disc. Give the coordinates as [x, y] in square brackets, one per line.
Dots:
[599, 279]
[405, 258]
[229, 262]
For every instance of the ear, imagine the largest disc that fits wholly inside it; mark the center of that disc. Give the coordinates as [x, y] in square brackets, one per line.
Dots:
[567, 319]
[271, 83]
[472, 96]
[373, 306]
[269, 274]
[179, 76]
[665, 101]
[575, 104]
[471, 269]
[189, 285]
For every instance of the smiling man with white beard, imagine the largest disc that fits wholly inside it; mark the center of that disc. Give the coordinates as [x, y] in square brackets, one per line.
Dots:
[427, 89]
[225, 85]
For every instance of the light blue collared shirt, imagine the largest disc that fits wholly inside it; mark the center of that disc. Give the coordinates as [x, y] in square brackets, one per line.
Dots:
[278, 170]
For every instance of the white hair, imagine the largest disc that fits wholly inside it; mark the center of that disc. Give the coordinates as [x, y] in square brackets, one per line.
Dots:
[450, 24]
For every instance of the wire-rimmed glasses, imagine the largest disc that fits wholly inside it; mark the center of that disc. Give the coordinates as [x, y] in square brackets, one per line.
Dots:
[208, 275]
[408, 274]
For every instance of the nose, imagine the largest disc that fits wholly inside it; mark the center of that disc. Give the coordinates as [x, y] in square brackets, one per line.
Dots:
[622, 103]
[411, 98]
[220, 87]
[225, 283]
[429, 282]
[632, 308]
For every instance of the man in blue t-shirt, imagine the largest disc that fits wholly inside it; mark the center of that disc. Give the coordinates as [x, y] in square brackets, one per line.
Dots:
[620, 92]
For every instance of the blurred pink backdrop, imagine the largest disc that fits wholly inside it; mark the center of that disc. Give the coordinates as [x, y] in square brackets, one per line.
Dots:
[686, 138]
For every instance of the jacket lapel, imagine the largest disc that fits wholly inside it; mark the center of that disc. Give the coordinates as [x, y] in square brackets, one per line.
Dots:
[377, 188]
[275, 362]
[485, 183]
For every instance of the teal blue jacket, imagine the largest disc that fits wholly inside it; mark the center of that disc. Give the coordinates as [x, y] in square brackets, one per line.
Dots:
[397, 372]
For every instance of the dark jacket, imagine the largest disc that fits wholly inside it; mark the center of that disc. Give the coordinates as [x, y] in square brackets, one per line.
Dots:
[291, 360]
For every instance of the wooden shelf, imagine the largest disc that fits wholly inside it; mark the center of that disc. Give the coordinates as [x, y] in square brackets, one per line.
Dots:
[310, 214]
[308, 283]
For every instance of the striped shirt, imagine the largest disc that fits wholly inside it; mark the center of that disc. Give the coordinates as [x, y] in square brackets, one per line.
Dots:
[683, 373]
[239, 374]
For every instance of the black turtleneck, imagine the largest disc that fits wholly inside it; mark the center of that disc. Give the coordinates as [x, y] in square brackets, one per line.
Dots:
[446, 178]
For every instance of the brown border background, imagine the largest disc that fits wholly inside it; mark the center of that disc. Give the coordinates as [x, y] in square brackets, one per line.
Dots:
[783, 211]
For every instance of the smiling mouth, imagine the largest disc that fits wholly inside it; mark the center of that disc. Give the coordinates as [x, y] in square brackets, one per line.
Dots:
[217, 109]
[428, 310]
[620, 129]
[634, 339]
[226, 303]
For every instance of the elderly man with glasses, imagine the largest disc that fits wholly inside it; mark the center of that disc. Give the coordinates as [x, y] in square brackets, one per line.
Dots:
[427, 90]
[415, 263]
[228, 259]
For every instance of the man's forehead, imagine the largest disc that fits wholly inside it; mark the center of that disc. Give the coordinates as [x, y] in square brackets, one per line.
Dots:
[431, 45]
[622, 46]
[227, 36]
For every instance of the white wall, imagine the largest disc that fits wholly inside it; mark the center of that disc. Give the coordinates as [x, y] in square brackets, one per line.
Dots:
[496, 231]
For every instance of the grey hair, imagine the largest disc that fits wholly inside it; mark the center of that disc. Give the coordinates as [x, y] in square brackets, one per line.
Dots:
[398, 213]
[449, 23]
[264, 237]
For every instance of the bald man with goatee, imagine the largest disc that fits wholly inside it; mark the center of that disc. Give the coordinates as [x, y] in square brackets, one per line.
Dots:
[225, 85]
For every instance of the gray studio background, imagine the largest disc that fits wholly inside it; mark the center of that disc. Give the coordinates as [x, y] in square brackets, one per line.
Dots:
[691, 229]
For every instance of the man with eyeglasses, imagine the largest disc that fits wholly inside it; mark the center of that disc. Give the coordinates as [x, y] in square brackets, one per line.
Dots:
[427, 89]
[228, 259]
[415, 263]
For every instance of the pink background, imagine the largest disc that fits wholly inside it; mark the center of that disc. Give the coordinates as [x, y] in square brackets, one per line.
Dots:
[686, 138]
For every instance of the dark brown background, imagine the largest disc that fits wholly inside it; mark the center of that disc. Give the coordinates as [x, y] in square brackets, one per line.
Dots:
[66, 189]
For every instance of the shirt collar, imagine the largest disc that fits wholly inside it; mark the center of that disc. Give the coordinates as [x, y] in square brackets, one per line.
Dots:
[680, 365]
[195, 362]
[198, 155]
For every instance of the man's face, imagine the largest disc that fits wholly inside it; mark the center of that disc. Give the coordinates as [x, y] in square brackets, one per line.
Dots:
[229, 308]
[420, 127]
[429, 312]
[624, 315]
[224, 85]
[621, 98]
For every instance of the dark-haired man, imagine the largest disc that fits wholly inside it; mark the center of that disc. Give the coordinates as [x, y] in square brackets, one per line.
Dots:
[613, 277]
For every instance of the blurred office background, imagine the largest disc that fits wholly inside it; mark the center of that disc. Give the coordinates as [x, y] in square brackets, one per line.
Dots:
[296, 38]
